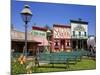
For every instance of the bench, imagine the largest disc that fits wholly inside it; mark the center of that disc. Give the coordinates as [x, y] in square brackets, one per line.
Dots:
[62, 57]
[52, 58]
[58, 58]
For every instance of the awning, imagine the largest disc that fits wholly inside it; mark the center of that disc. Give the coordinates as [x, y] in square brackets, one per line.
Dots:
[43, 41]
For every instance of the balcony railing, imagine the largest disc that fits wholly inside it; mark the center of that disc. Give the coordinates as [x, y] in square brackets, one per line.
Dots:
[80, 37]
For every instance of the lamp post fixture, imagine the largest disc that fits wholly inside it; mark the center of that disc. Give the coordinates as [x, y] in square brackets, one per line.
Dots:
[26, 15]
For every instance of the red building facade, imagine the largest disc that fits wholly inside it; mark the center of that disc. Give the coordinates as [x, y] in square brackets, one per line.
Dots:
[61, 38]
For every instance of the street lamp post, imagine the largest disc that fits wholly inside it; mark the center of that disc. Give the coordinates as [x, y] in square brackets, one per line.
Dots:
[26, 16]
[48, 38]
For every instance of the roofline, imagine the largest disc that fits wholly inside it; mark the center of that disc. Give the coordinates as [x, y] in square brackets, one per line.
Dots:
[22, 40]
[79, 21]
[59, 25]
[39, 28]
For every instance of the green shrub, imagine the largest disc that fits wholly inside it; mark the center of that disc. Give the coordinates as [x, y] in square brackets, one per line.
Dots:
[17, 68]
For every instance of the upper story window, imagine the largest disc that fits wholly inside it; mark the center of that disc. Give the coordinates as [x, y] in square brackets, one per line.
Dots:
[73, 33]
[84, 33]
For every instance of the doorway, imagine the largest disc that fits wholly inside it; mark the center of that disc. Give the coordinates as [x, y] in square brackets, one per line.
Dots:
[62, 45]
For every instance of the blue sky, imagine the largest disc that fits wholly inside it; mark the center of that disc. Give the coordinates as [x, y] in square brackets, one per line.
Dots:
[52, 13]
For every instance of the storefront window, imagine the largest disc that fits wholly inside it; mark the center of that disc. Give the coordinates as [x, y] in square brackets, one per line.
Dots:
[79, 33]
[56, 43]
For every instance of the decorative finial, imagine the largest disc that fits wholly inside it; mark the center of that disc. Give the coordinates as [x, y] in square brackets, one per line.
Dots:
[80, 19]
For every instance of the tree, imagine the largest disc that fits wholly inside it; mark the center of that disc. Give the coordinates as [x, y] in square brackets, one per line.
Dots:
[12, 26]
[46, 26]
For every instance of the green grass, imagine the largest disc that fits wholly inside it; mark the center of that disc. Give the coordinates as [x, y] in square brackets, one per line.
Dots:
[85, 64]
